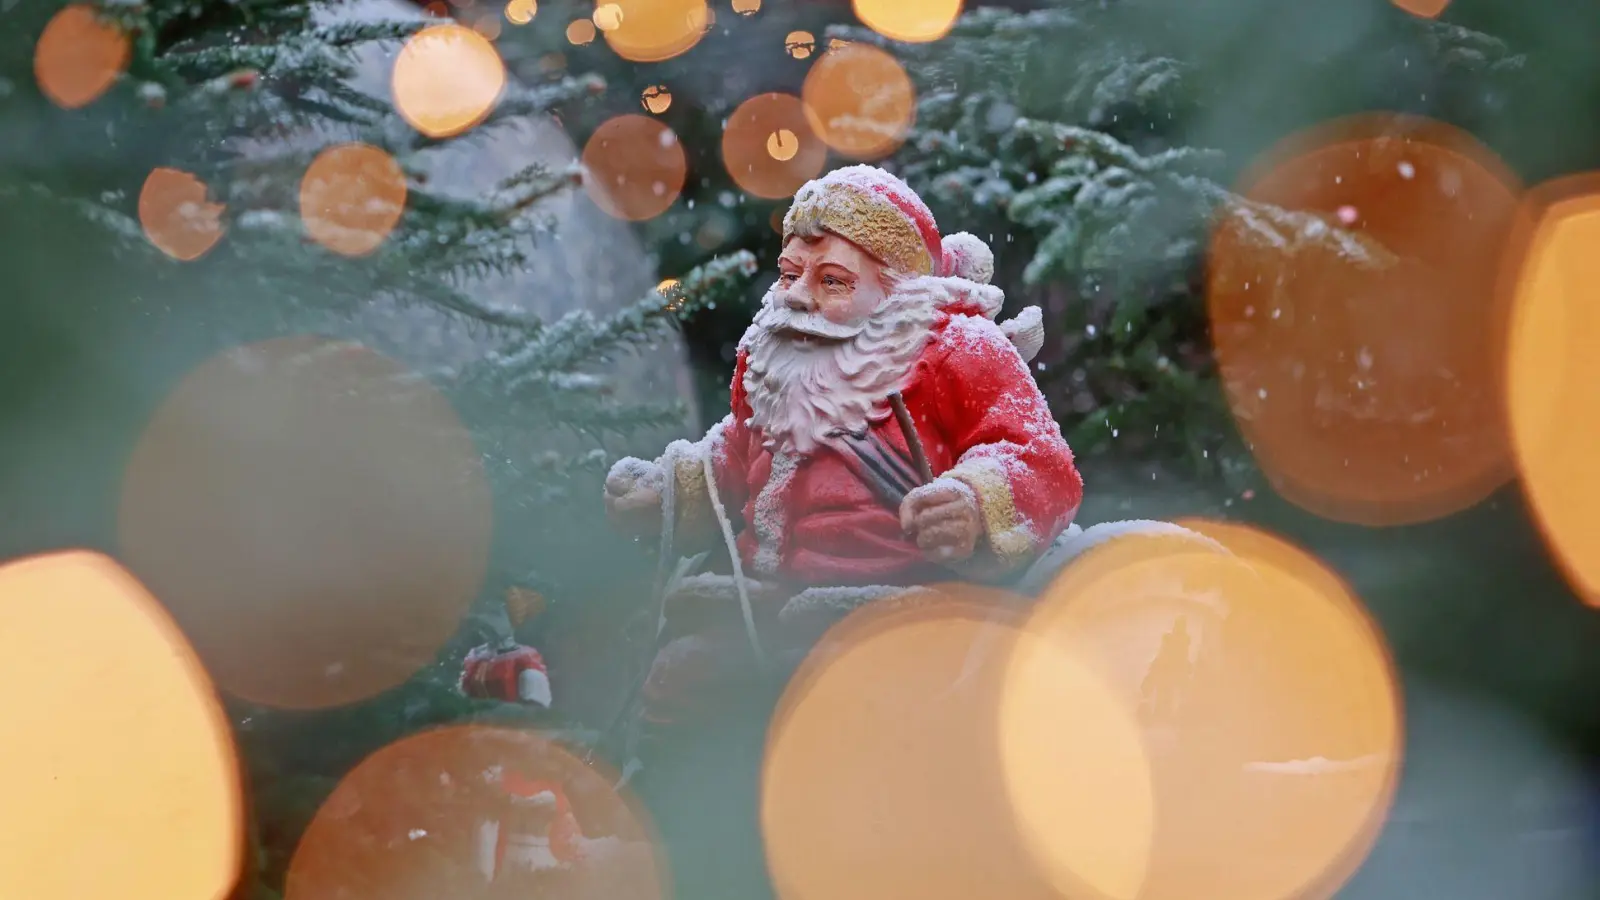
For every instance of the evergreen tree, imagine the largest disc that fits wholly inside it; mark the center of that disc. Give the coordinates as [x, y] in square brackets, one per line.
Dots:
[244, 96]
[1064, 136]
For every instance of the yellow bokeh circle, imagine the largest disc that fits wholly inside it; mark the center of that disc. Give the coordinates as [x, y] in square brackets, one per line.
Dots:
[447, 78]
[912, 21]
[1552, 371]
[655, 30]
[118, 768]
[1265, 702]
[859, 101]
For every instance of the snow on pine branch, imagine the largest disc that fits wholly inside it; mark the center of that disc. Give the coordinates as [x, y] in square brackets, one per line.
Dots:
[1290, 232]
[580, 338]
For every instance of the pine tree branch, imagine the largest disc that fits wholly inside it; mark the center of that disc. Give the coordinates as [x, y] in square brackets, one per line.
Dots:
[581, 338]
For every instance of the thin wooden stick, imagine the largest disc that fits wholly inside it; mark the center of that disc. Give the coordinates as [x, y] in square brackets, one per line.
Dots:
[913, 442]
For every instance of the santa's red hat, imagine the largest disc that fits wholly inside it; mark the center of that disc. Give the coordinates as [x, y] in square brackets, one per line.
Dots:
[882, 215]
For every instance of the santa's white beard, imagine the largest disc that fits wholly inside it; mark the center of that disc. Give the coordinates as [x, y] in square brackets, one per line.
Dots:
[804, 389]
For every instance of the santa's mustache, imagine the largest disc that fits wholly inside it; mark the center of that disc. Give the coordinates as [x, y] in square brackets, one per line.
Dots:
[778, 316]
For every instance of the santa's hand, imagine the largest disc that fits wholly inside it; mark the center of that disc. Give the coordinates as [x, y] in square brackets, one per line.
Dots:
[633, 495]
[944, 518]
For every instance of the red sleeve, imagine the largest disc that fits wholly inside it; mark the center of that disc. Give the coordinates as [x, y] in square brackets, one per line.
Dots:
[1008, 448]
[730, 450]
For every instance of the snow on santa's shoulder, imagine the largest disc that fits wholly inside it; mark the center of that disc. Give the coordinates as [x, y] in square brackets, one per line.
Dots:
[969, 333]
[986, 346]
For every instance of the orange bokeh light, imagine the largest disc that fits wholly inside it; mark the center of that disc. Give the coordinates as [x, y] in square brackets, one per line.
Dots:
[78, 56]
[351, 198]
[859, 101]
[477, 812]
[912, 21]
[175, 215]
[1552, 370]
[1266, 700]
[314, 515]
[607, 16]
[118, 767]
[1367, 388]
[521, 12]
[657, 30]
[882, 774]
[580, 32]
[1427, 9]
[656, 98]
[799, 44]
[634, 167]
[447, 78]
[768, 147]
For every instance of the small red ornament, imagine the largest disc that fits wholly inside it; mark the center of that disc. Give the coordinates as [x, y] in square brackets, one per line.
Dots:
[508, 672]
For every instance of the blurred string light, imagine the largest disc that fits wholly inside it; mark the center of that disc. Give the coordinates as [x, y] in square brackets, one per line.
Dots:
[912, 21]
[782, 145]
[176, 216]
[859, 101]
[1360, 361]
[882, 775]
[351, 198]
[799, 44]
[313, 514]
[768, 147]
[1206, 714]
[656, 30]
[1427, 9]
[608, 17]
[580, 32]
[634, 167]
[521, 12]
[656, 98]
[447, 78]
[78, 56]
[1267, 706]
[667, 289]
[118, 770]
[475, 811]
[1553, 369]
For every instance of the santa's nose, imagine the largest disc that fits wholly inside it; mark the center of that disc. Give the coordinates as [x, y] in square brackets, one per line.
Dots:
[799, 301]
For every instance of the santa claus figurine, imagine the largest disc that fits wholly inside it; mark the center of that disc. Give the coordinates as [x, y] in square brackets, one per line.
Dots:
[872, 304]
[884, 429]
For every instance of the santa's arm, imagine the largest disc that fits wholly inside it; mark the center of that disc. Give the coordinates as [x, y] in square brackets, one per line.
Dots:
[726, 446]
[1008, 448]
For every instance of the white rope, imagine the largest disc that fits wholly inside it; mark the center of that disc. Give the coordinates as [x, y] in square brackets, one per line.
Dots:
[669, 517]
[733, 554]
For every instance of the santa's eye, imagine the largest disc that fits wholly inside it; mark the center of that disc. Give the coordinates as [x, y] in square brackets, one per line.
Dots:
[787, 277]
[830, 281]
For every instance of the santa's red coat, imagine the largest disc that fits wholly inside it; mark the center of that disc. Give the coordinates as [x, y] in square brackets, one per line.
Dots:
[818, 521]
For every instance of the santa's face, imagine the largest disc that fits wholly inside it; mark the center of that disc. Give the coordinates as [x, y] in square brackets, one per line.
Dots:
[835, 334]
[827, 289]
